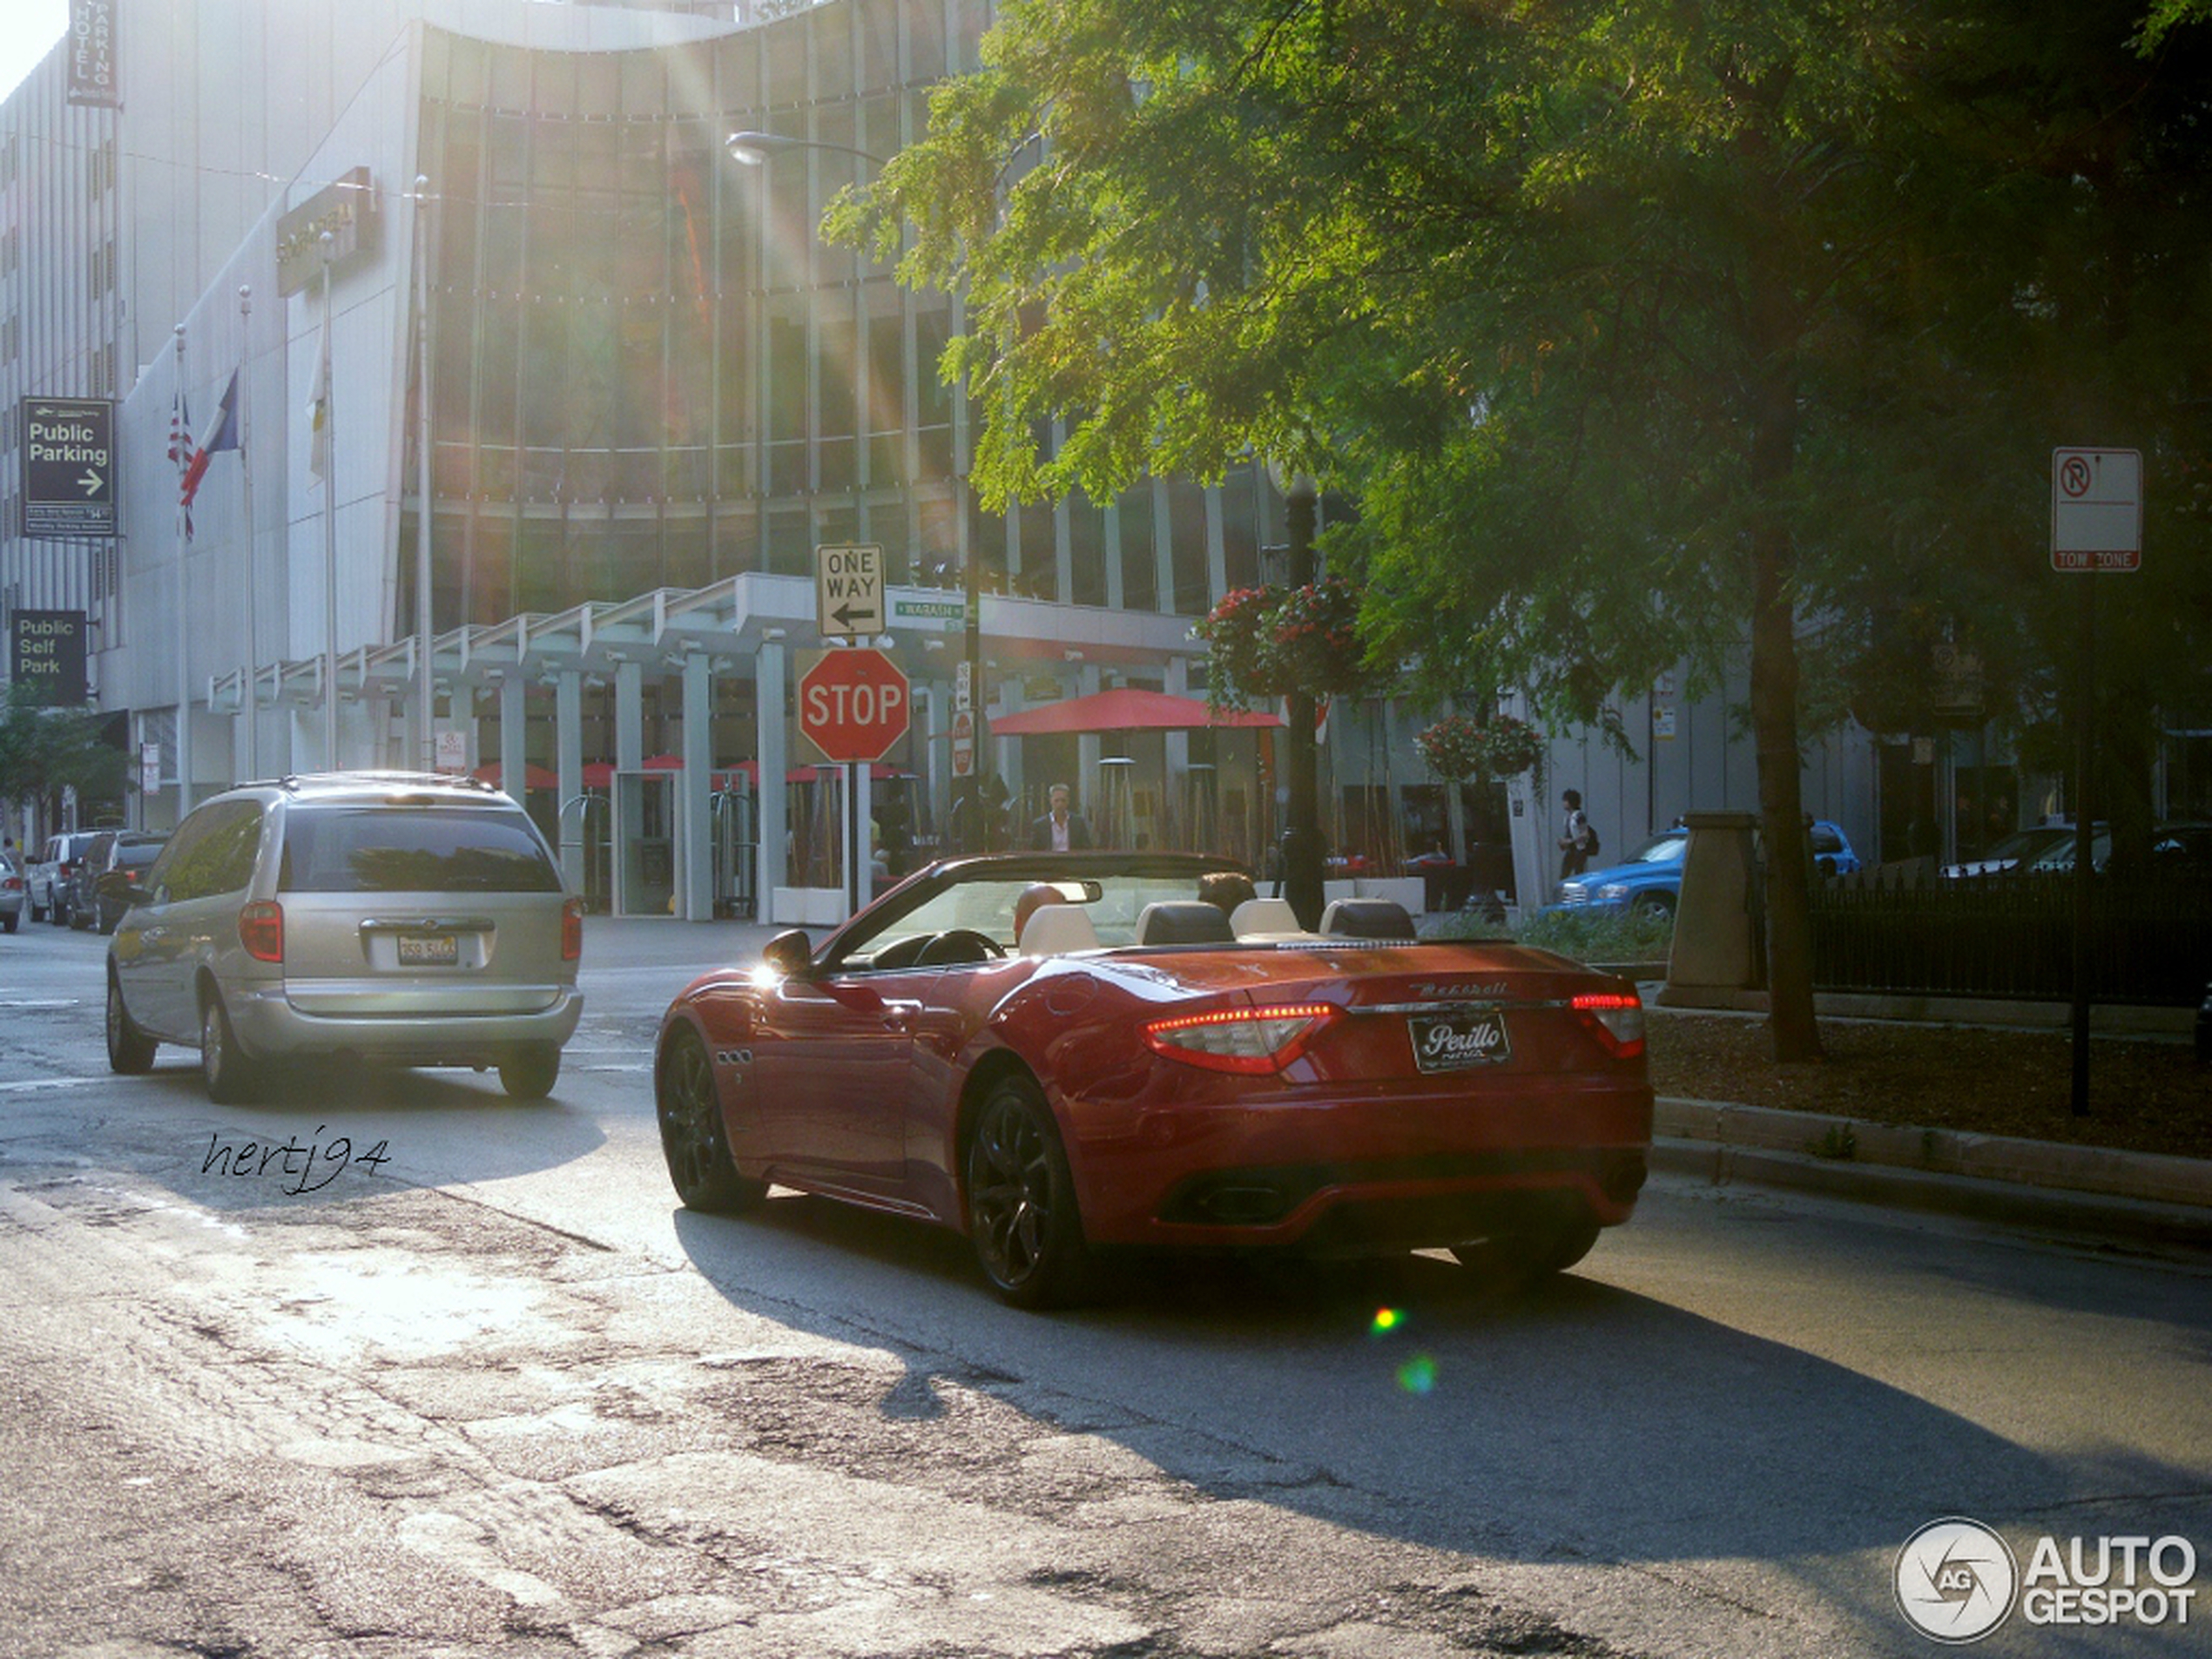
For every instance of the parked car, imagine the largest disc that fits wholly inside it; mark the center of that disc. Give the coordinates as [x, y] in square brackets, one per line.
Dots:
[1135, 1067]
[13, 892]
[399, 918]
[1650, 877]
[2021, 846]
[118, 886]
[2176, 850]
[99, 860]
[52, 871]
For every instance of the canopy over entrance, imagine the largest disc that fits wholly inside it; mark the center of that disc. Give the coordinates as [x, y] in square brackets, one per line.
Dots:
[1125, 709]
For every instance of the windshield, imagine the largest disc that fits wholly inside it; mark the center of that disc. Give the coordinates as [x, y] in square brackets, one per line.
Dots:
[984, 904]
[1659, 849]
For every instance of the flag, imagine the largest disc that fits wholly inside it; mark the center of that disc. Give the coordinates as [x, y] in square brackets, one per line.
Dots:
[224, 437]
[319, 409]
[181, 447]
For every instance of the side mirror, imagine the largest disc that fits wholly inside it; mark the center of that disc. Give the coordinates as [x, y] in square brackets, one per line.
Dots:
[789, 954]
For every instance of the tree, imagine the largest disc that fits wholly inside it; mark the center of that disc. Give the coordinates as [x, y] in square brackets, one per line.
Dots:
[1642, 331]
[44, 751]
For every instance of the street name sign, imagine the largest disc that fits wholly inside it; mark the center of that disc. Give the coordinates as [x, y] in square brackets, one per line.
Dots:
[853, 705]
[2096, 510]
[848, 591]
[67, 468]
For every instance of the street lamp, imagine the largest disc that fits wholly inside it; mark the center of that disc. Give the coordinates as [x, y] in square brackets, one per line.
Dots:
[753, 149]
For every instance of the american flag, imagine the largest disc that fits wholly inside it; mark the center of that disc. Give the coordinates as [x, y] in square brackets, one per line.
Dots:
[180, 447]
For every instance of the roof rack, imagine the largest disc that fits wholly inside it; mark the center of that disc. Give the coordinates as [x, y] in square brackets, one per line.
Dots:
[387, 778]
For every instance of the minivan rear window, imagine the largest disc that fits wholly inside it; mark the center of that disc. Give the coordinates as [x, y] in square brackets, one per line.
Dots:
[409, 850]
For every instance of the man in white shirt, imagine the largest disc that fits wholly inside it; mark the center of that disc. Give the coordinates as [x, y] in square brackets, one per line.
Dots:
[1058, 830]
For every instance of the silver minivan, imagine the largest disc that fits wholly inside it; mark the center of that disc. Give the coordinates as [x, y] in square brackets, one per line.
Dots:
[399, 918]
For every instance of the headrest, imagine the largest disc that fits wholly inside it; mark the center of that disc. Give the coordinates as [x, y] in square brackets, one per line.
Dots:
[1263, 916]
[1056, 929]
[1368, 918]
[1184, 921]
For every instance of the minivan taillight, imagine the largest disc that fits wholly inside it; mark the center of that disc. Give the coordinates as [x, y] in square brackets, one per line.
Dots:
[572, 930]
[260, 929]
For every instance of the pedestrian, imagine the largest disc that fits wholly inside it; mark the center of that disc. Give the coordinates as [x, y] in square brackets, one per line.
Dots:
[1579, 841]
[1058, 830]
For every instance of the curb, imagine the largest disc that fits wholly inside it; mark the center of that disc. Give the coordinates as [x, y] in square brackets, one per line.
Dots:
[2089, 1191]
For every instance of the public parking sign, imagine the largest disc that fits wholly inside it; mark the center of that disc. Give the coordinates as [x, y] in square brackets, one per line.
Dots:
[2096, 510]
[67, 468]
[853, 705]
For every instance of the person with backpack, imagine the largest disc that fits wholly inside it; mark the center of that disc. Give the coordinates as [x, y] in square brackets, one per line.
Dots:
[1578, 847]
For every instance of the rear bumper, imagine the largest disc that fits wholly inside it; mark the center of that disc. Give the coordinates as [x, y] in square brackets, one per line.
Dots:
[269, 1027]
[1366, 1174]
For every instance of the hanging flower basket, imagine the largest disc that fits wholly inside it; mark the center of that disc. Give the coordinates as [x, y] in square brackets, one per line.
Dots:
[1459, 747]
[1268, 642]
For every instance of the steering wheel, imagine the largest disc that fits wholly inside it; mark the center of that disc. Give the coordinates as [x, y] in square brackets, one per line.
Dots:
[956, 946]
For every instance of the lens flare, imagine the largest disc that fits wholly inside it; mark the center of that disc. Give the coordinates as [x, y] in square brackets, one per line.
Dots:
[1418, 1375]
[1386, 1320]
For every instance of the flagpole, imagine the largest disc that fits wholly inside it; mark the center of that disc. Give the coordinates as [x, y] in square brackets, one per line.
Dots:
[249, 680]
[184, 625]
[329, 533]
[426, 665]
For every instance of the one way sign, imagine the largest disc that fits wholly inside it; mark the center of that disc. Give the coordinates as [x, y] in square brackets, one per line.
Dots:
[848, 591]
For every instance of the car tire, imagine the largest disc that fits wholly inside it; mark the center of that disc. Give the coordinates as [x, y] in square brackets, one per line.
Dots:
[1660, 904]
[12, 921]
[1526, 1257]
[80, 919]
[692, 1137]
[1021, 1212]
[129, 1051]
[58, 913]
[231, 1078]
[530, 1074]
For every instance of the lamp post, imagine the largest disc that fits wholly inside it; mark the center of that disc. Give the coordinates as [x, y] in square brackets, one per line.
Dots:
[754, 150]
[1302, 849]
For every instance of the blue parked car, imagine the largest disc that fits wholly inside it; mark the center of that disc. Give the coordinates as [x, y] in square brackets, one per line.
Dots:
[1650, 878]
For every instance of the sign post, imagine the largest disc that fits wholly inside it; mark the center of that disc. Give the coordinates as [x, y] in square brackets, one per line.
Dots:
[2096, 525]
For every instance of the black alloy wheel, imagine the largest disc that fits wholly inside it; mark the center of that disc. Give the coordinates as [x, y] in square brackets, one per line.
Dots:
[692, 1138]
[1022, 1212]
[129, 1051]
[231, 1078]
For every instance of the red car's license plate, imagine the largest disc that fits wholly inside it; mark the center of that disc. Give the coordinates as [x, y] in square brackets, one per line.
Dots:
[429, 950]
[1454, 1041]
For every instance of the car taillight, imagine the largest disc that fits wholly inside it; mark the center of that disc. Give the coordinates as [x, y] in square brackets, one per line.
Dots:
[13, 884]
[1616, 1017]
[1258, 1040]
[572, 930]
[260, 929]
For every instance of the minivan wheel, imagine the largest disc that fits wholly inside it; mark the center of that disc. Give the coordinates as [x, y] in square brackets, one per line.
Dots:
[129, 1051]
[230, 1077]
[530, 1074]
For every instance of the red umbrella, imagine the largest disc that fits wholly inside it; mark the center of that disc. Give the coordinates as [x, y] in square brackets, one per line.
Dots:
[534, 776]
[1125, 709]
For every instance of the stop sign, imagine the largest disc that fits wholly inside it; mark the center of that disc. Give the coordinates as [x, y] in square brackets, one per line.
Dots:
[852, 705]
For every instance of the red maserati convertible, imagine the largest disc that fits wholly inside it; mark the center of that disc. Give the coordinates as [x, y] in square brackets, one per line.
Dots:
[1059, 1052]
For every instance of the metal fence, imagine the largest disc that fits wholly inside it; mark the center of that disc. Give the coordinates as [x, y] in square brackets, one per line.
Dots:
[2014, 937]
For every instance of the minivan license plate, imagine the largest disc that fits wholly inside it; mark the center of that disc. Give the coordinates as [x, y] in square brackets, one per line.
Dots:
[429, 950]
[1454, 1041]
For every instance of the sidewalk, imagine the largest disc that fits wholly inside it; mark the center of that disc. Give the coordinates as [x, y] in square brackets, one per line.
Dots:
[2085, 1191]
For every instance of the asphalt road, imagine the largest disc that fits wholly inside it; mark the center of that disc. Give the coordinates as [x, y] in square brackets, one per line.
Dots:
[497, 1392]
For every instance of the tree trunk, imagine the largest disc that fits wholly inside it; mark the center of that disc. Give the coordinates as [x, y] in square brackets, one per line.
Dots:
[1792, 1024]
